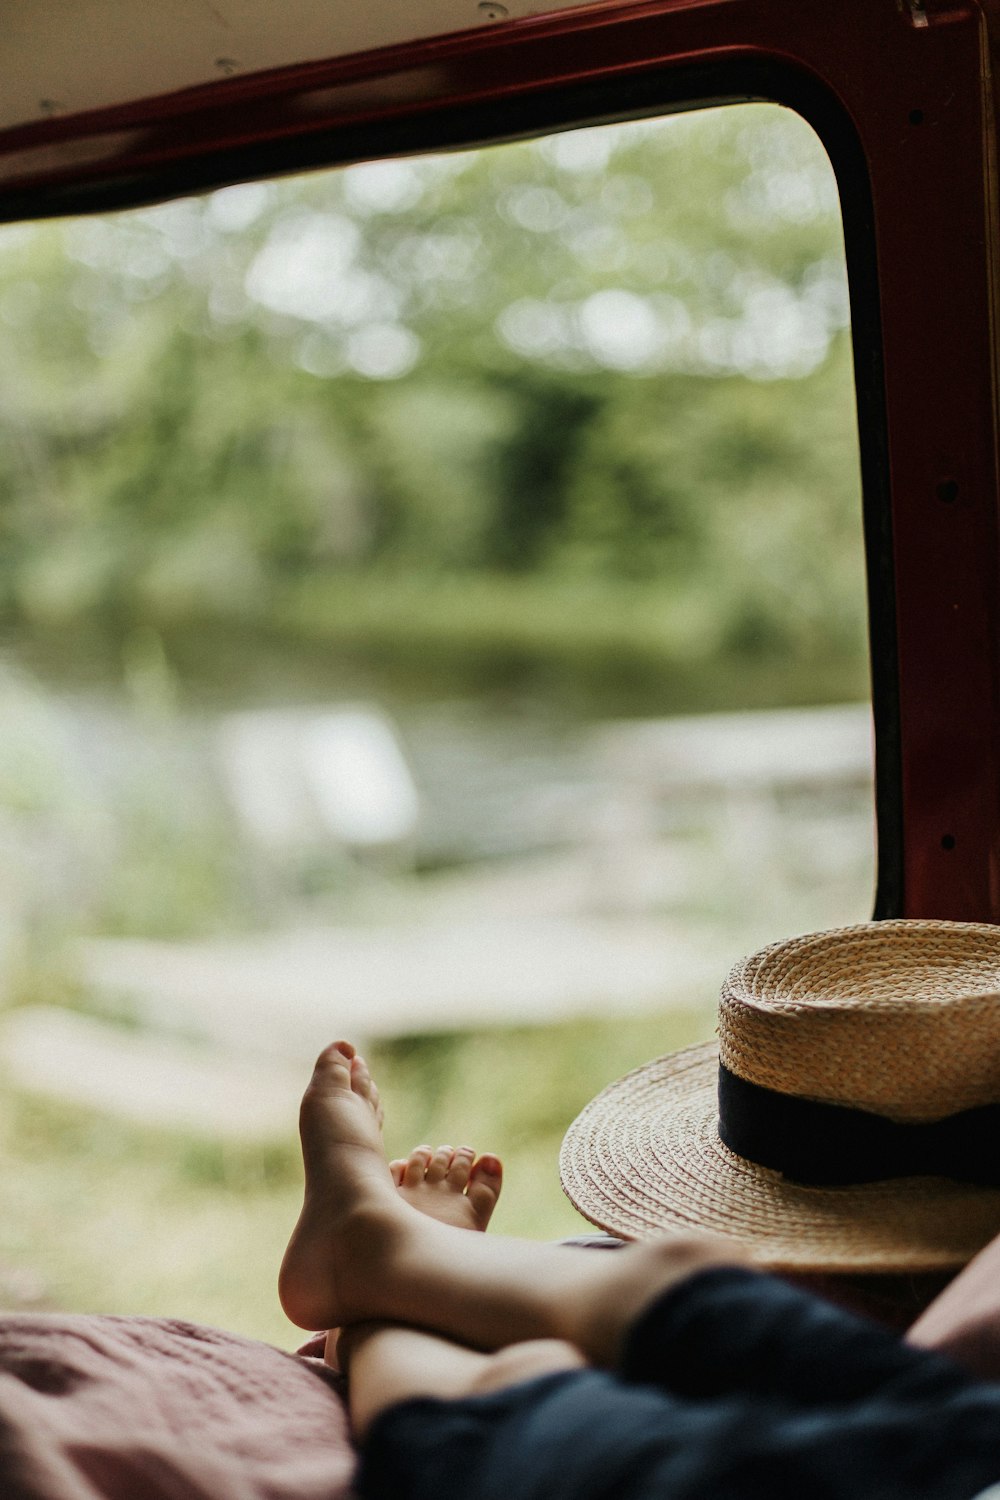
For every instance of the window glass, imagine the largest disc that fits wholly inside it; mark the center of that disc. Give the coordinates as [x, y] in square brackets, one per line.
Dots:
[432, 612]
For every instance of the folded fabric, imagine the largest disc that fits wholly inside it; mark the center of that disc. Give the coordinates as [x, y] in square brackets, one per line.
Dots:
[114, 1408]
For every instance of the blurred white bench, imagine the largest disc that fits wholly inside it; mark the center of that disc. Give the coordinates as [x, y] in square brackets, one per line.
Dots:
[297, 777]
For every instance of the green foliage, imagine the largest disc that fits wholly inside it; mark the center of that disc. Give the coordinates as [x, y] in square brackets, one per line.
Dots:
[617, 353]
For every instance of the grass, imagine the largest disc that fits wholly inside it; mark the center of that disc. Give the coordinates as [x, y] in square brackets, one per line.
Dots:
[619, 639]
[599, 646]
[100, 1216]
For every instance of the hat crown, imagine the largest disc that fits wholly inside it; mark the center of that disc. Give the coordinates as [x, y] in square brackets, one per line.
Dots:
[899, 1018]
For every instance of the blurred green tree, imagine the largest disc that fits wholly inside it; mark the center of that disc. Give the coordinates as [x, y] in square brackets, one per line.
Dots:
[619, 352]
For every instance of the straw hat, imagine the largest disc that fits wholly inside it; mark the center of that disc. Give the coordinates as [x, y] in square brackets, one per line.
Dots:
[847, 1120]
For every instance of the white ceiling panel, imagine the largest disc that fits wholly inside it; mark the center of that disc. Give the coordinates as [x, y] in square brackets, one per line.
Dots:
[64, 56]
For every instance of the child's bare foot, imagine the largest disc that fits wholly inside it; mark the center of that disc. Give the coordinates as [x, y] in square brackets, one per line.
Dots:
[353, 1200]
[450, 1185]
[350, 1203]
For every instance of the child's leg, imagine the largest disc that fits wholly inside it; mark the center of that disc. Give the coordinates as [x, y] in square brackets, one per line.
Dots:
[387, 1364]
[441, 1422]
[359, 1254]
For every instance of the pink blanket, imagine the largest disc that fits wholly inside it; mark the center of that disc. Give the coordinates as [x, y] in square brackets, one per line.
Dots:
[152, 1409]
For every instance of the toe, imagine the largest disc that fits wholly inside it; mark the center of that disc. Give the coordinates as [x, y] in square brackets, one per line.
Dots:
[461, 1167]
[333, 1067]
[361, 1078]
[437, 1167]
[416, 1166]
[484, 1187]
[396, 1169]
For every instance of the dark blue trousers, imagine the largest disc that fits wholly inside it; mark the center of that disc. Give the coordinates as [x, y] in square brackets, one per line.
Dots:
[733, 1386]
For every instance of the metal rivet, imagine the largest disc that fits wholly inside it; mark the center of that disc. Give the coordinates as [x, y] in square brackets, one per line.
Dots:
[492, 10]
[227, 65]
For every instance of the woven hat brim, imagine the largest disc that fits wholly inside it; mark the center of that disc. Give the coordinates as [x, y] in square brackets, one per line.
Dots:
[644, 1159]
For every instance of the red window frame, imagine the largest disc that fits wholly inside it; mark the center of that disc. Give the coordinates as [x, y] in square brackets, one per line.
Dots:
[902, 94]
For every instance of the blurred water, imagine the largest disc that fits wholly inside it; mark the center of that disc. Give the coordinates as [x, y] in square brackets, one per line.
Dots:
[533, 865]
